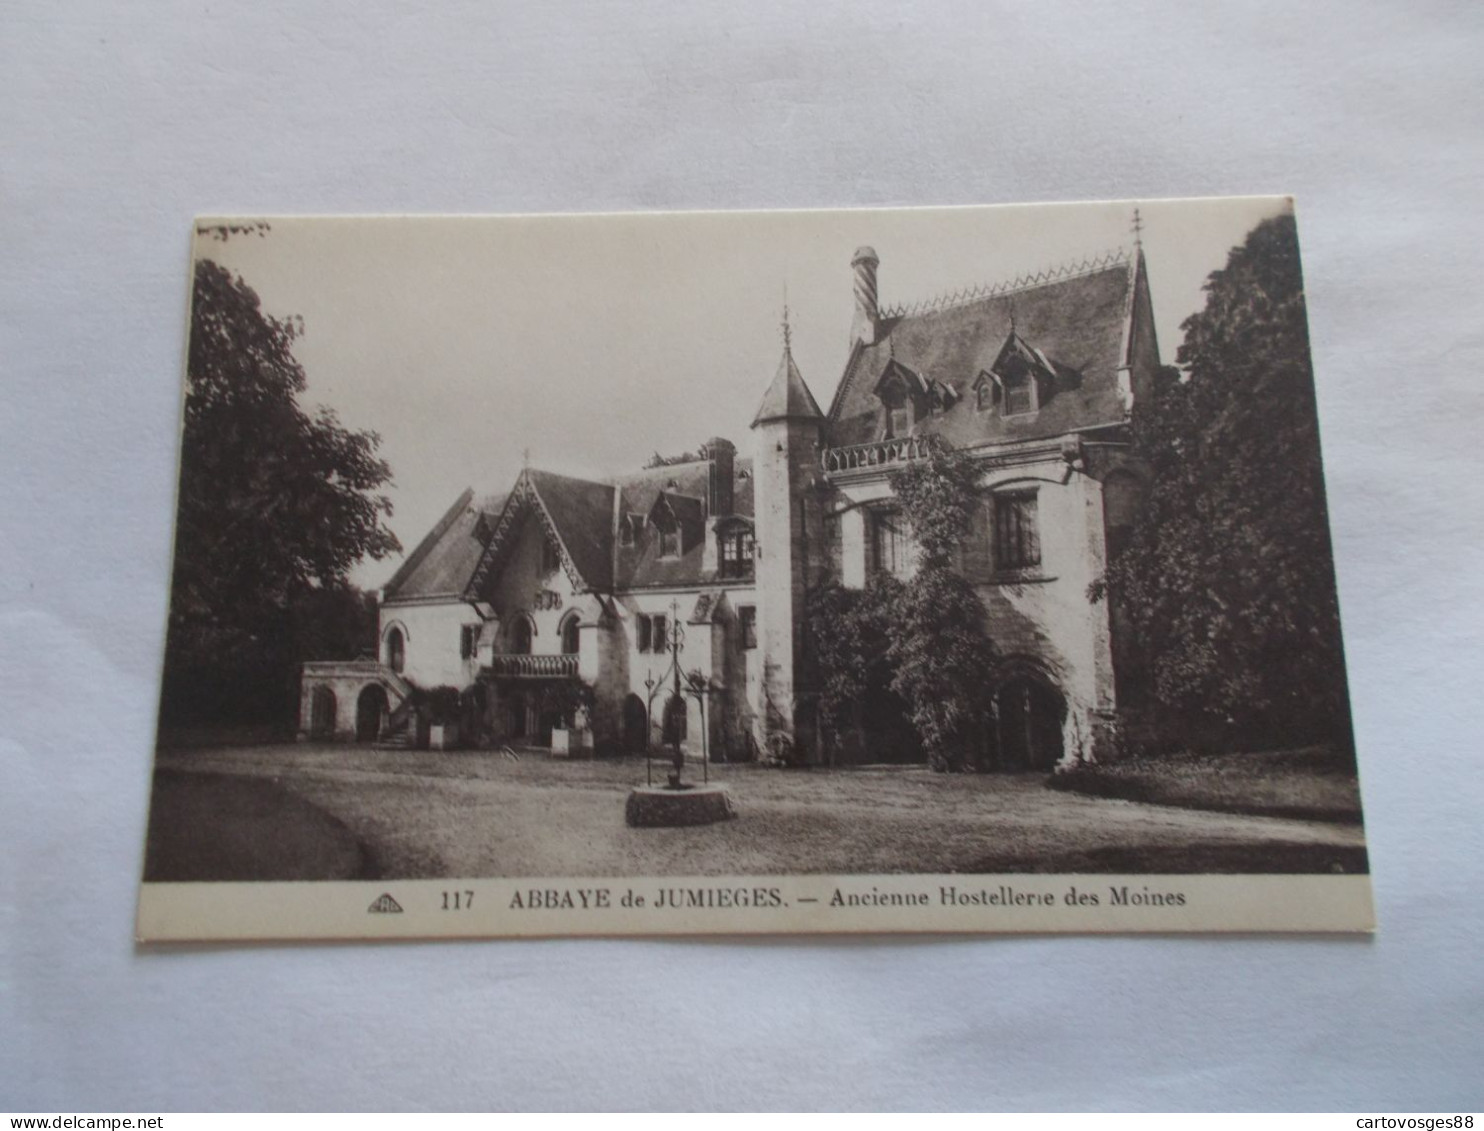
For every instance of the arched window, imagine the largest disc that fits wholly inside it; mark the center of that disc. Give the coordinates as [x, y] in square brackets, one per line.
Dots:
[570, 634]
[520, 636]
[396, 650]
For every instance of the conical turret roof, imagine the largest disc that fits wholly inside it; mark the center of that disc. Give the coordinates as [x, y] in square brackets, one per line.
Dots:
[787, 398]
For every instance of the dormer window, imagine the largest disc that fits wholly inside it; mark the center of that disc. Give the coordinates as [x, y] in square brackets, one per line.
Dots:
[1021, 378]
[629, 526]
[736, 551]
[896, 413]
[672, 516]
[984, 394]
[905, 398]
[1020, 392]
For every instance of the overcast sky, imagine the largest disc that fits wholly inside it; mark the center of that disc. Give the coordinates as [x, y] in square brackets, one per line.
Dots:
[594, 341]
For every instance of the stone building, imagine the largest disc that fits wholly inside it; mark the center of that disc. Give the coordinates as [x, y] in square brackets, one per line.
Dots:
[519, 600]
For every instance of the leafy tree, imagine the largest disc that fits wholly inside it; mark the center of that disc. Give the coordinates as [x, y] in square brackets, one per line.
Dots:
[276, 506]
[848, 632]
[924, 642]
[1227, 577]
[940, 650]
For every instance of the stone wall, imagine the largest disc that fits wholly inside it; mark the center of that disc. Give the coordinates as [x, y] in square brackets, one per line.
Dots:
[1039, 618]
[345, 680]
[430, 632]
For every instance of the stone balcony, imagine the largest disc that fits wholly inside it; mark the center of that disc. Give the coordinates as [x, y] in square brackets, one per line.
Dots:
[519, 666]
[867, 458]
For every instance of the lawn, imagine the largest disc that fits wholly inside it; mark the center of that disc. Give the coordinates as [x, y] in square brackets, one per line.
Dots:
[227, 827]
[1309, 784]
[473, 814]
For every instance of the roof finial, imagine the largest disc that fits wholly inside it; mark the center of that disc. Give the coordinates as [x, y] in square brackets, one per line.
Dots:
[1012, 316]
[1138, 230]
[788, 334]
[525, 457]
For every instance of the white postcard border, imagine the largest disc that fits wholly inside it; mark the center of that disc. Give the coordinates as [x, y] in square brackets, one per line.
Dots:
[746, 905]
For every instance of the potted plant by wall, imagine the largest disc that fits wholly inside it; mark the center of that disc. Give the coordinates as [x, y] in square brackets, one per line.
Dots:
[443, 718]
[572, 702]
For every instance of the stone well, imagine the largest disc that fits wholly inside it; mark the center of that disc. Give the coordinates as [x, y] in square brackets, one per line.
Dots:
[660, 806]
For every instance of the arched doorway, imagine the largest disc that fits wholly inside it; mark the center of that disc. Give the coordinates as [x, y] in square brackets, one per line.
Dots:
[1029, 712]
[322, 713]
[515, 715]
[370, 710]
[473, 701]
[549, 717]
[635, 725]
[396, 650]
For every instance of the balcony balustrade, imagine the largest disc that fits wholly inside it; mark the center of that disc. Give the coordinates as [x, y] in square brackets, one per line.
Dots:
[520, 666]
[883, 453]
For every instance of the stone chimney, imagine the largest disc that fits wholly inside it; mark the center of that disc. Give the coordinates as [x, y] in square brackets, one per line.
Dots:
[863, 326]
[721, 476]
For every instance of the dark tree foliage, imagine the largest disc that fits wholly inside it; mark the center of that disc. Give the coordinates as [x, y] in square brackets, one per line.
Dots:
[924, 641]
[940, 650]
[938, 496]
[276, 506]
[1228, 578]
[848, 632]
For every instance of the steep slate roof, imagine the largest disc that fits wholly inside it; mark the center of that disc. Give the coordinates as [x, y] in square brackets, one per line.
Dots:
[788, 397]
[582, 512]
[585, 513]
[640, 565]
[1077, 322]
[443, 562]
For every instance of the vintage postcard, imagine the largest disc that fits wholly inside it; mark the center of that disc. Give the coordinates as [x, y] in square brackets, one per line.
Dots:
[917, 570]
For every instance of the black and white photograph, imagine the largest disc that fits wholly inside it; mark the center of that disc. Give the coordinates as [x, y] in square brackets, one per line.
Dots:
[747, 557]
[924, 569]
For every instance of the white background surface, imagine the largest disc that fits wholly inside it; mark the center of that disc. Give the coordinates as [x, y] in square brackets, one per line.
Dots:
[119, 122]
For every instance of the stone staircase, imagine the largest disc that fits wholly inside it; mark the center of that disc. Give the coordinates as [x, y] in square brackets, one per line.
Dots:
[401, 729]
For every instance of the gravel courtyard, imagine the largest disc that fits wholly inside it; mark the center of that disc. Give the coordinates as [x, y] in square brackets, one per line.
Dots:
[340, 812]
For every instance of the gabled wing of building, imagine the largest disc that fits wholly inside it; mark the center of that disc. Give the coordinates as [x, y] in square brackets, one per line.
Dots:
[581, 514]
[463, 553]
[577, 515]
